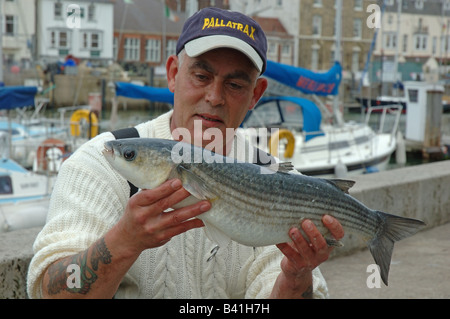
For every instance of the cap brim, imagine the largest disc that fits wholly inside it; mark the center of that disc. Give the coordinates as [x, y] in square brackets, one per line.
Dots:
[201, 45]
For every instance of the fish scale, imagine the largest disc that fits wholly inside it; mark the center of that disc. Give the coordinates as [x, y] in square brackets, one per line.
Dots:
[255, 205]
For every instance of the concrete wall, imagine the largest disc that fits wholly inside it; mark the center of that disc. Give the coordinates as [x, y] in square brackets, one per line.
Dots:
[418, 192]
[15, 256]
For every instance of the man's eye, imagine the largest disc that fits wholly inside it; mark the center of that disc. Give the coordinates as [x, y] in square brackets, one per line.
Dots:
[129, 155]
[201, 77]
[235, 86]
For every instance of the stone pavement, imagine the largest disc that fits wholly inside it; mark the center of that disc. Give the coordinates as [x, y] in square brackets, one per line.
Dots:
[420, 268]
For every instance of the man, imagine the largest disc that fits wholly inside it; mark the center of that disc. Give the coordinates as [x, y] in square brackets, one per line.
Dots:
[99, 243]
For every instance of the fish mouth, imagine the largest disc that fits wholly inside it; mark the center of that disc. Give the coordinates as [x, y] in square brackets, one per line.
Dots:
[108, 150]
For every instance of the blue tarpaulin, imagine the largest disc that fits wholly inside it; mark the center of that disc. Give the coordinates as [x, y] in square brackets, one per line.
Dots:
[309, 82]
[12, 97]
[144, 92]
[312, 117]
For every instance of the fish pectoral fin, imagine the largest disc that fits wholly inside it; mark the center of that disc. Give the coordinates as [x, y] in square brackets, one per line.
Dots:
[215, 235]
[195, 185]
[333, 242]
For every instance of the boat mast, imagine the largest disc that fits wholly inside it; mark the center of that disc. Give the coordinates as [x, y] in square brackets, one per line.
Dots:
[399, 12]
[337, 57]
[1, 44]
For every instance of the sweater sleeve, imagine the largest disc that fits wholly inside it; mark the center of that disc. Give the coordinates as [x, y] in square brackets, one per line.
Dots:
[78, 213]
[264, 270]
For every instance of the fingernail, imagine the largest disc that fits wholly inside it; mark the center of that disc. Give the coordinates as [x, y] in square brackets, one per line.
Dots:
[204, 207]
[307, 225]
[176, 184]
[327, 219]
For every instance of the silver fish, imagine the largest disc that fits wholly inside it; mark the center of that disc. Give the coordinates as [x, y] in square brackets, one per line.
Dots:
[255, 205]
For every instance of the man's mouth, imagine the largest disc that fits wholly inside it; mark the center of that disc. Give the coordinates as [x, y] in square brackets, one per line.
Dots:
[210, 118]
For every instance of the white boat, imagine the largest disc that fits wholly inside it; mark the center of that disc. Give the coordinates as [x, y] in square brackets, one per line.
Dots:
[294, 132]
[30, 134]
[24, 196]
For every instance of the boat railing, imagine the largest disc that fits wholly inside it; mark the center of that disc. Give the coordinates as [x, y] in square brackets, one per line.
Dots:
[394, 109]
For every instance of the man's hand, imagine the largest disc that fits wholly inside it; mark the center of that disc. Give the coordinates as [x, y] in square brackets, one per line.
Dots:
[146, 225]
[302, 256]
[143, 225]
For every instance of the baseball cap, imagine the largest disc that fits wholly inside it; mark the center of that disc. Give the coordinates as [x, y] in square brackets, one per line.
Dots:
[212, 28]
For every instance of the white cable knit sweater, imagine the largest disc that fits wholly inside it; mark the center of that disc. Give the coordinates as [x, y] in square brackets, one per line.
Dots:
[90, 197]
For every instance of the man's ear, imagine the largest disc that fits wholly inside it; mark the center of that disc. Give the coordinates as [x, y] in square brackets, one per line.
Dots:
[258, 91]
[171, 71]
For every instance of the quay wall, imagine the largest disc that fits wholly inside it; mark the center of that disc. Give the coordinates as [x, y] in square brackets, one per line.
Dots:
[421, 192]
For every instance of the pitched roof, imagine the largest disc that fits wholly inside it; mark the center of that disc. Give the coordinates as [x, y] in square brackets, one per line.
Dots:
[272, 27]
[143, 16]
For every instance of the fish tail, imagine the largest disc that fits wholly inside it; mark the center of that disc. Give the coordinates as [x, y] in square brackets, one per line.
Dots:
[393, 228]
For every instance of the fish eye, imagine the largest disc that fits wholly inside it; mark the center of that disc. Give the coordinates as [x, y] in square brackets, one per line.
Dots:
[129, 155]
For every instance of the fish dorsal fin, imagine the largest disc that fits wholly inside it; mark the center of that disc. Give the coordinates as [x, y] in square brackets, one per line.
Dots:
[195, 185]
[284, 167]
[343, 184]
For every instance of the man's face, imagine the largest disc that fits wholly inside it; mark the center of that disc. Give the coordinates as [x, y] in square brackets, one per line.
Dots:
[215, 89]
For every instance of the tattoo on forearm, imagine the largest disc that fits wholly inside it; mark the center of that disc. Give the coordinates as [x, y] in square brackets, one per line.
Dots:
[88, 263]
[308, 293]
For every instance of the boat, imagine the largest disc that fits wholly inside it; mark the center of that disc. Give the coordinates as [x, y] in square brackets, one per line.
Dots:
[24, 195]
[30, 133]
[292, 129]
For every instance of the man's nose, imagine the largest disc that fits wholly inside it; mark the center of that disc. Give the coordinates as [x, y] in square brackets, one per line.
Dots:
[215, 94]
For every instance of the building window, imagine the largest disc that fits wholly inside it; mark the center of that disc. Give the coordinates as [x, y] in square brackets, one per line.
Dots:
[358, 6]
[60, 39]
[272, 49]
[446, 5]
[405, 43]
[63, 39]
[317, 3]
[390, 40]
[153, 50]
[132, 49]
[421, 41]
[10, 25]
[317, 25]
[57, 10]
[171, 47]
[419, 4]
[91, 12]
[315, 57]
[91, 40]
[357, 28]
[286, 50]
